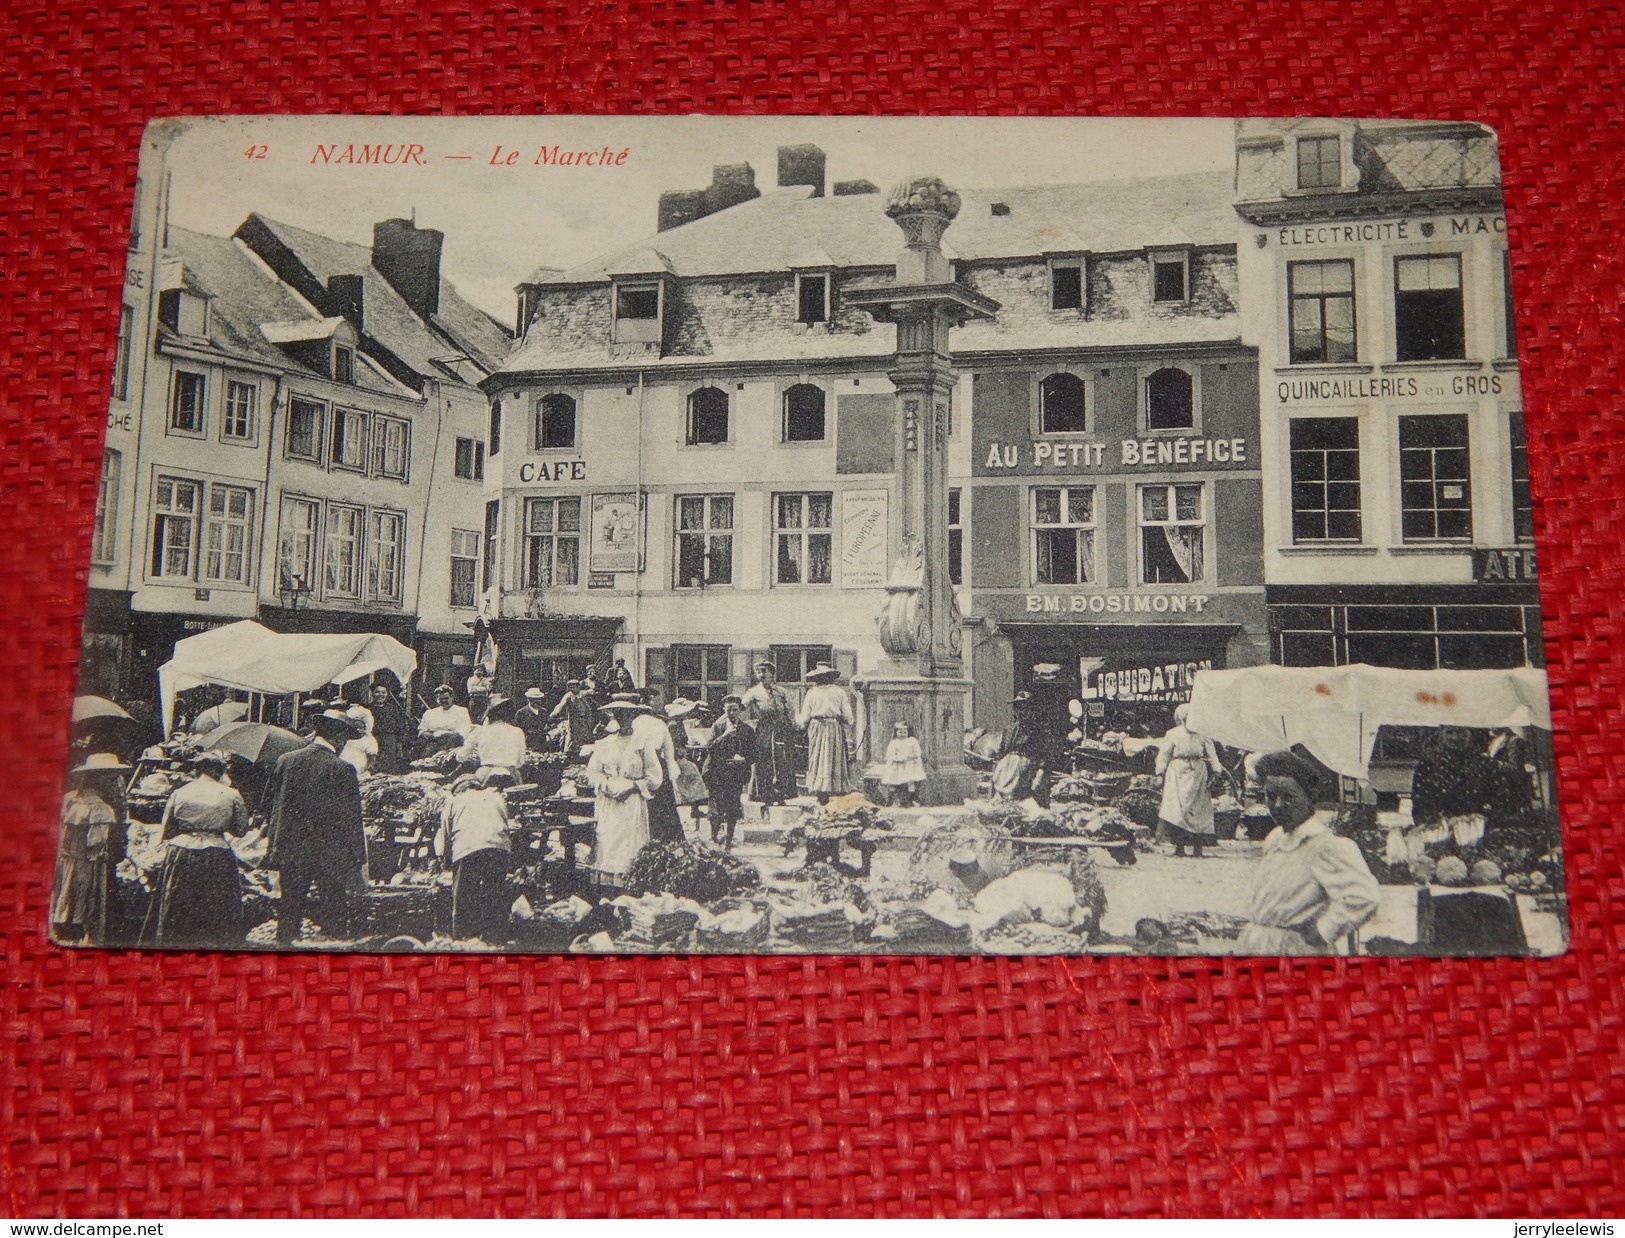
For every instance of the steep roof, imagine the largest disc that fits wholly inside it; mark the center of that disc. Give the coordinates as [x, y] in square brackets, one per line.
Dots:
[456, 328]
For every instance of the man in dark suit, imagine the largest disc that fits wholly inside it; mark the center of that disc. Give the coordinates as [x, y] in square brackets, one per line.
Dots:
[728, 761]
[316, 835]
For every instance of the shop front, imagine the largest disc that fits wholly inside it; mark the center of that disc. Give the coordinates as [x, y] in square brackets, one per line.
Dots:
[546, 653]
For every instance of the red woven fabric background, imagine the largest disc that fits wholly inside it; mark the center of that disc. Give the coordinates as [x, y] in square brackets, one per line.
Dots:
[189, 1085]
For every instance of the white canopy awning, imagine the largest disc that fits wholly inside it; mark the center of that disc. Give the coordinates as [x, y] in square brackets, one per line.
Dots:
[1334, 711]
[253, 658]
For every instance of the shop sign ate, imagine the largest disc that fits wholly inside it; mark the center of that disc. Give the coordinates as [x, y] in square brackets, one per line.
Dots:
[1131, 453]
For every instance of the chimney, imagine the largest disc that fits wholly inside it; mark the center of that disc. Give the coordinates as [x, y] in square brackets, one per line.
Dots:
[731, 184]
[802, 165]
[344, 298]
[409, 258]
[848, 189]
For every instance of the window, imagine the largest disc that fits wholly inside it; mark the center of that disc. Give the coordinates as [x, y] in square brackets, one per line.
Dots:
[1509, 343]
[468, 461]
[465, 562]
[1319, 163]
[184, 313]
[349, 440]
[555, 422]
[1169, 400]
[956, 537]
[705, 541]
[1066, 286]
[812, 298]
[804, 414]
[637, 302]
[242, 401]
[106, 527]
[1169, 277]
[121, 358]
[186, 404]
[175, 503]
[1061, 405]
[1434, 489]
[493, 524]
[1064, 535]
[343, 364]
[385, 535]
[699, 672]
[1325, 479]
[1322, 297]
[804, 542]
[552, 543]
[225, 534]
[1171, 527]
[341, 555]
[1428, 320]
[305, 431]
[707, 416]
[494, 437]
[301, 534]
[792, 662]
[1523, 511]
[391, 447]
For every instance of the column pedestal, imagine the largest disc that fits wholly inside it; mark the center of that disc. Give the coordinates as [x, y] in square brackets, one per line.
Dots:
[937, 710]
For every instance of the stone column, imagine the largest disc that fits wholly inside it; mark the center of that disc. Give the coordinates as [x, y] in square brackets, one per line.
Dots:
[923, 677]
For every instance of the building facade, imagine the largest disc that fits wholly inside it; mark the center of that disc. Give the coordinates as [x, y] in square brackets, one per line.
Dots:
[1375, 286]
[695, 445]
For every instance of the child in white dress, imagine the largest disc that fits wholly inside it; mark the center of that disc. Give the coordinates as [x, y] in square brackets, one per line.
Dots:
[904, 766]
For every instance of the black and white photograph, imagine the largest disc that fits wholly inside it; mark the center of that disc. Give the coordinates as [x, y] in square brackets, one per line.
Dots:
[623, 535]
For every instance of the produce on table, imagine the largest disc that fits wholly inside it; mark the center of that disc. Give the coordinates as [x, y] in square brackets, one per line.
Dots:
[690, 870]
[1451, 870]
[962, 856]
[1141, 807]
[1485, 872]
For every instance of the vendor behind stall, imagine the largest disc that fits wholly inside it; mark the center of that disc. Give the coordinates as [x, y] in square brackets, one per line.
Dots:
[444, 725]
[531, 718]
[496, 744]
[391, 727]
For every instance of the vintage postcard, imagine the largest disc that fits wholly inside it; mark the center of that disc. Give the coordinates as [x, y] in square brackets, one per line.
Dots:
[805, 534]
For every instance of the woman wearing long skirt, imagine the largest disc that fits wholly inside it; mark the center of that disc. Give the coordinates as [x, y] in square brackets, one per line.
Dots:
[624, 781]
[90, 839]
[826, 714]
[200, 896]
[1186, 762]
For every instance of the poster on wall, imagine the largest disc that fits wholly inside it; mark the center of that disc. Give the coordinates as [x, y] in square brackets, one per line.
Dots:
[863, 539]
[617, 533]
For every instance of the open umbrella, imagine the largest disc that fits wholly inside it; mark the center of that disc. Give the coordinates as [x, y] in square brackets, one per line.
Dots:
[88, 708]
[259, 742]
[219, 715]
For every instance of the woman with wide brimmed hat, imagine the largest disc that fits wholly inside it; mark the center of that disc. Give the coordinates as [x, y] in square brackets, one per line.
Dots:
[659, 745]
[624, 778]
[826, 715]
[773, 719]
[89, 846]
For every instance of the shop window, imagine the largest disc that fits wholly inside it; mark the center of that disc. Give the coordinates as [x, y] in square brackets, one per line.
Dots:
[803, 539]
[242, 402]
[1429, 324]
[1061, 405]
[493, 524]
[705, 540]
[1170, 277]
[175, 504]
[1523, 511]
[707, 416]
[1170, 400]
[226, 534]
[1322, 309]
[349, 446]
[465, 562]
[1325, 479]
[186, 403]
[386, 532]
[105, 530]
[699, 672]
[1434, 485]
[305, 431]
[792, 662]
[1172, 535]
[121, 357]
[804, 414]
[1064, 535]
[956, 537]
[1066, 285]
[812, 298]
[343, 364]
[555, 422]
[341, 552]
[552, 543]
[296, 554]
[468, 460]
[1319, 163]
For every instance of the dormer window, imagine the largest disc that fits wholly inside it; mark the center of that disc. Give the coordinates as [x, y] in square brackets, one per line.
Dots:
[638, 306]
[812, 297]
[1170, 276]
[183, 312]
[1320, 162]
[343, 364]
[1066, 284]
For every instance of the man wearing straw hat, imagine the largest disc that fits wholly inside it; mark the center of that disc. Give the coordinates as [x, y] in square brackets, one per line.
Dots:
[87, 851]
[316, 834]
